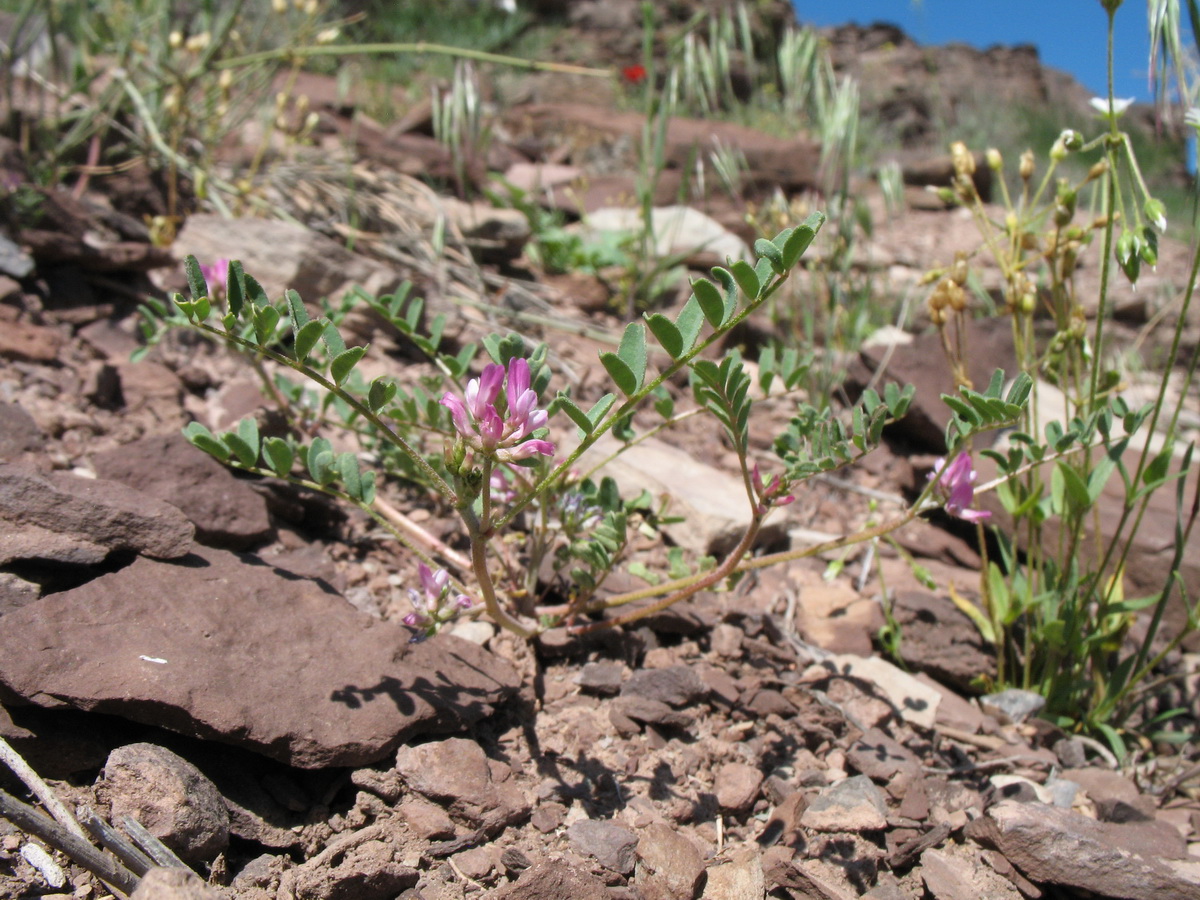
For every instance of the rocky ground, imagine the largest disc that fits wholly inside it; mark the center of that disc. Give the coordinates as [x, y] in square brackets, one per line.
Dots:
[222, 660]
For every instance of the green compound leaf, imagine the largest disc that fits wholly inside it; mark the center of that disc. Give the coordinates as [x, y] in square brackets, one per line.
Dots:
[243, 442]
[574, 413]
[600, 410]
[712, 304]
[343, 364]
[333, 341]
[619, 372]
[346, 465]
[312, 460]
[201, 437]
[255, 293]
[279, 456]
[306, 338]
[666, 334]
[798, 241]
[747, 279]
[771, 253]
[266, 321]
[195, 278]
[380, 393]
[730, 286]
[632, 350]
[296, 310]
[235, 289]
[689, 322]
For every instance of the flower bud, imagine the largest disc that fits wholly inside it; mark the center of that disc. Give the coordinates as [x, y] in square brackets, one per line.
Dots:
[280, 6]
[175, 40]
[328, 36]
[1149, 247]
[1156, 213]
[1064, 203]
[994, 160]
[1026, 165]
[964, 159]
[1097, 170]
[198, 42]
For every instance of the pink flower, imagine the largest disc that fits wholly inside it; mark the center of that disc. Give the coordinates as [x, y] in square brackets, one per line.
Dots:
[216, 274]
[955, 482]
[769, 495]
[429, 604]
[480, 423]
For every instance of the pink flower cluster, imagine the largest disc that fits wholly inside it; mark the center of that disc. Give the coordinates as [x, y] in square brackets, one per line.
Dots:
[482, 426]
[429, 604]
[956, 483]
[771, 494]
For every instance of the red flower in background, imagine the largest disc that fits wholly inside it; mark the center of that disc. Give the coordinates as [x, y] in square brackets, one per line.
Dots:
[634, 74]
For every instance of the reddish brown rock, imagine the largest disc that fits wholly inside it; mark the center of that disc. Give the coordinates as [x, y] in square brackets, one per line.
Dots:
[229, 648]
[170, 797]
[29, 343]
[65, 518]
[225, 509]
[1063, 847]
[456, 773]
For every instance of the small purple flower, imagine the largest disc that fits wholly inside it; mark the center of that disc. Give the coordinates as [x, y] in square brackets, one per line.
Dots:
[430, 608]
[956, 483]
[769, 495]
[216, 274]
[484, 428]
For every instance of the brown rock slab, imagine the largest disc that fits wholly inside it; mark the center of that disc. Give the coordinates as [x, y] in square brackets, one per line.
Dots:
[226, 510]
[19, 433]
[940, 640]
[851, 805]
[170, 797]
[455, 772]
[610, 844]
[674, 685]
[29, 343]
[65, 518]
[957, 873]
[231, 649]
[669, 865]
[553, 879]
[1064, 847]
[173, 884]
[737, 786]
[352, 869]
[737, 874]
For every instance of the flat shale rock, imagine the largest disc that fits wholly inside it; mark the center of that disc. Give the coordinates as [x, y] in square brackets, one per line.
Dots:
[19, 433]
[231, 649]
[553, 879]
[455, 772]
[225, 509]
[1064, 847]
[65, 518]
[669, 866]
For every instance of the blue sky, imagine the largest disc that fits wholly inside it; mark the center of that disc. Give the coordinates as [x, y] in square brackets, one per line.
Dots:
[1069, 34]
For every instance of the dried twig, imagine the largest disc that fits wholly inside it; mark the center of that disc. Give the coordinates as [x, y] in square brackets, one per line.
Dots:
[41, 790]
[98, 863]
